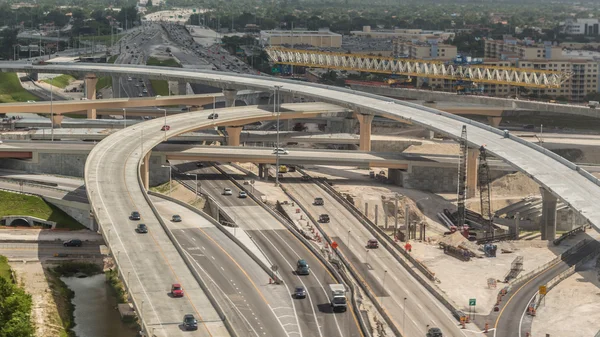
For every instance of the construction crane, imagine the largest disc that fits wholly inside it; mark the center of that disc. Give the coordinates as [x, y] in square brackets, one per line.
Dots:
[483, 174]
[461, 194]
[522, 77]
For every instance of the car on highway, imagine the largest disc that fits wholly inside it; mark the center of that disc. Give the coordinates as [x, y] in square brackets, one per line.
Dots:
[135, 215]
[141, 95]
[299, 292]
[227, 191]
[434, 332]
[165, 128]
[213, 116]
[324, 218]
[318, 201]
[142, 228]
[72, 243]
[305, 178]
[176, 290]
[242, 194]
[302, 267]
[129, 78]
[30, 101]
[280, 151]
[145, 91]
[190, 322]
[176, 218]
[372, 243]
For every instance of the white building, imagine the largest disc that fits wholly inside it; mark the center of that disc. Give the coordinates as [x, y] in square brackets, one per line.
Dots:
[581, 27]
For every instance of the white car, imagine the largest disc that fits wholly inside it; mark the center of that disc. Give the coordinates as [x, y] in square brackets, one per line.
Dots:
[280, 151]
[242, 194]
[227, 191]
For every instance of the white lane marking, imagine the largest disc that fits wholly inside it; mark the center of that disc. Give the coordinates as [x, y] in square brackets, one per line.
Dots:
[523, 315]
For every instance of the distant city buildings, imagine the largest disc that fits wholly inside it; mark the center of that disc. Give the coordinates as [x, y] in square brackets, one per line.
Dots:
[406, 34]
[588, 27]
[424, 50]
[320, 39]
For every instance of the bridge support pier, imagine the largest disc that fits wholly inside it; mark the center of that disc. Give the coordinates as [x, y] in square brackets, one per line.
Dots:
[365, 131]
[472, 164]
[230, 95]
[233, 135]
[90, 92]
[145, 170]
[263, 171]
[494, 121]
[548, 220]
[56, 119]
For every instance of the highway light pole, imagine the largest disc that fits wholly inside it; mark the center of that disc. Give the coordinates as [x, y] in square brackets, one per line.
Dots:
[276, 110]
[383, 288]
[404, 314]
[196, 175]
[170, 177]
[124, 118]
[165, 126]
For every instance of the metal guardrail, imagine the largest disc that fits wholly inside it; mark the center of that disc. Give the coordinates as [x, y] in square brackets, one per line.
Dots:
[340, 277]
[560, 239]
[185, 258]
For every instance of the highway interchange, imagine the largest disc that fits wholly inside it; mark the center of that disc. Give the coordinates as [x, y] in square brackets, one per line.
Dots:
[114, 190]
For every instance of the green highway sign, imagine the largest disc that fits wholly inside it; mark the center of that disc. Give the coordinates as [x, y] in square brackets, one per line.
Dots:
[472, 302]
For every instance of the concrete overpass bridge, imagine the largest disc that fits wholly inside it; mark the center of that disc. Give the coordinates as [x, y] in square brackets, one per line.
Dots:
[117, 169]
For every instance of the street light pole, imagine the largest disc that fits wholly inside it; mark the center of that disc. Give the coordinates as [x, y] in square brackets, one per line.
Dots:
[196, 175]
[124, 118]
[170, 177]
[276, 110]
[348, 243]
[404, 314]
[383, 287]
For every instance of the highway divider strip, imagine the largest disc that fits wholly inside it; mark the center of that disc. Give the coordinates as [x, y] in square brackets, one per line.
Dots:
[216, 305]
[222, 228]
[291, 226]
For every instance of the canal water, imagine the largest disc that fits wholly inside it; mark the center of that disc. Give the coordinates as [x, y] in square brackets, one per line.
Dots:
[95, 308]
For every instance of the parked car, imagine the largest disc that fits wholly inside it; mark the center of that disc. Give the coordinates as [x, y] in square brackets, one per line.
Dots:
[176, 290]
[142, 228]
[372, 243]
[176, 218]
[324, 218]
[227, 191]
[242, 194]
[135, 215]
[190, 322]
[318, 202]
[165, 128]
[279, 150]
[299, 292]
[213, 116]
[72, 243]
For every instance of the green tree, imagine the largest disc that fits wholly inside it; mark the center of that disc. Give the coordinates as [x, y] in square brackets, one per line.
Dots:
[149, 3]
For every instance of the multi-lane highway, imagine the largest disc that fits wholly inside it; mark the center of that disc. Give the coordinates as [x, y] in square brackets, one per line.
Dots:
[313, 314]
[241, 284]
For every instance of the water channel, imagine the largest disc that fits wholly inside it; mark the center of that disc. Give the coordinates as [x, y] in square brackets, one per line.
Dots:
[95, 308]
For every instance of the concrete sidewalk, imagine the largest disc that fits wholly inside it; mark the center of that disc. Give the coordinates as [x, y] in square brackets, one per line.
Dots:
[46, 235]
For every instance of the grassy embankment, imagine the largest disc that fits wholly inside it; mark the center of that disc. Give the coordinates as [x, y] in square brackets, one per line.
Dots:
[12, 91]
[60, 81]
[161, 87]
[20, 204]
[15, 305]
[106, 81]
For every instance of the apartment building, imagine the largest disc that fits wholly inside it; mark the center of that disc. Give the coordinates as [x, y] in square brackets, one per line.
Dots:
[511, 48]
[424, 50]
[320, 39]
[590, 27]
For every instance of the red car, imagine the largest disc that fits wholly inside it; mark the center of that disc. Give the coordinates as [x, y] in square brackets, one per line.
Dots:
[372, 244]
[176, 290]
[165, 128]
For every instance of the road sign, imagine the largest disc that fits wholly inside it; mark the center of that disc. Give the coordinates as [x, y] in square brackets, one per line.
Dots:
[472, 302]
[334, 245]
[543, 290]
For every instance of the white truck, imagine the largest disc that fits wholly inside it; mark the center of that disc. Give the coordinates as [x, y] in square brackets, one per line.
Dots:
[593, 104]
[338, 297]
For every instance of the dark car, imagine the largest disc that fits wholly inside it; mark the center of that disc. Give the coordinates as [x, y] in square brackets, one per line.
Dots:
[318, 202]
[72, 243]
[299, 292]
[199, 164]
[165, 128]
[324, 218]
[176, 218]
[434, 332]
[213, 116]
[142, 228]
[135, 215]
[305, 178]
[372, 243]
[190, 322]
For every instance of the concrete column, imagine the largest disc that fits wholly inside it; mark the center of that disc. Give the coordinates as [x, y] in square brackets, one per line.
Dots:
[365, 131]
[230, 95]
[376, 214]
[90, 90]
[494, 121]
[548, 220]
[261, 171]
[407, 221]
[472, 162]
[56, 119]
[181, 88]
[145, 171]
[233, 135]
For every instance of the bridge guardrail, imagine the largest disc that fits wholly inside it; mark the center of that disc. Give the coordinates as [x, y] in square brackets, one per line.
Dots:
[193, 271]
[339, 276]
